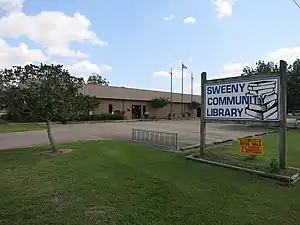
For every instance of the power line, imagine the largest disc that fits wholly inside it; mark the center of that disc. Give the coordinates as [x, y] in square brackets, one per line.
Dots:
[296, 3]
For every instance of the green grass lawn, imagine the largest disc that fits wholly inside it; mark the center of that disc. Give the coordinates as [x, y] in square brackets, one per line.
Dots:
[271, 150]
[111, 182]
[18, 127]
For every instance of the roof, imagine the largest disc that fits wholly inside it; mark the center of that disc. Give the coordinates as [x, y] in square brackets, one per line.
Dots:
[123, 93]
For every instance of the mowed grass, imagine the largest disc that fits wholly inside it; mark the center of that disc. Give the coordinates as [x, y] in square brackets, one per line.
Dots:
[111, 182]
[19, 127]
[271, 150]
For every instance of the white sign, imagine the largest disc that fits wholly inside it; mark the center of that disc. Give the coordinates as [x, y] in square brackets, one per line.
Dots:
[246, 100]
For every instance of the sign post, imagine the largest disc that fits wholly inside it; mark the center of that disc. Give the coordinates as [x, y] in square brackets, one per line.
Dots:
[282, 139]
[203, 109]
[259, 98]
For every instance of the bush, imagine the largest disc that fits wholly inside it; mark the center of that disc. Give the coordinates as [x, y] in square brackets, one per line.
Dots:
[113, 116]
[119, 112]
[274, 166]
[90, 117]
[104, 116]
[159, 102]
[194, 105]
[118, 115]
[4, 117]
[21, 117]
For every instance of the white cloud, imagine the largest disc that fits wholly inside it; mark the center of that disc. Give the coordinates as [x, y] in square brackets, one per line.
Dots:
[176, 74]
[11, 5]
[224, 7]
[86, 68]
[169, 17]
[20, 55]
[232, 69]
[197, 88]
[190, 20]
[288, 54]
[235, 68]
[191, 58]
[53, 30]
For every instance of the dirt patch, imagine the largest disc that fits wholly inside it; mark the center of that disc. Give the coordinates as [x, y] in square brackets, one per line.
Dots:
[51, 153]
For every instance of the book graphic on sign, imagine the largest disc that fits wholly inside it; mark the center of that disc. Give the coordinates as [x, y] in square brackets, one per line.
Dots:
[266, 99]
[263, 91]
[257, 86]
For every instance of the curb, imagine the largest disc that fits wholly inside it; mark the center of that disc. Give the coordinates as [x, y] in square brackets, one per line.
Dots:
[285, 179]
[207, 145]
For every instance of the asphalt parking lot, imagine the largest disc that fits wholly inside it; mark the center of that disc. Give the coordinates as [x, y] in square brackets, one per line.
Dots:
[187, 130]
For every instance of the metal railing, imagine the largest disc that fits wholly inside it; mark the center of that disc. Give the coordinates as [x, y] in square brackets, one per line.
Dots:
[157, 138]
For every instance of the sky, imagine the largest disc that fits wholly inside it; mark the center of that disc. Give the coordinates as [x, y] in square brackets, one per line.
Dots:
[134, 43]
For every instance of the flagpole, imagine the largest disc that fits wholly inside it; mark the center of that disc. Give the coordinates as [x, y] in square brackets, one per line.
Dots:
[181, 88]
[192, 86]
[171, 94]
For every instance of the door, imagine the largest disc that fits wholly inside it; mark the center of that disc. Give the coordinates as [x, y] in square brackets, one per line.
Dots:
[136, 111]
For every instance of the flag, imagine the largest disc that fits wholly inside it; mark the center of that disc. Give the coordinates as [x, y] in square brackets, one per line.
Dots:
[184, 66]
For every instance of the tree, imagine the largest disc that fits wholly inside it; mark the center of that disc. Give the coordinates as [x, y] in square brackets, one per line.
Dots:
[11, 96]
[97, 79]
[159, 102]
[293, 83]
[87, 103]
[48, 92]
[293, 80]
[262, 67]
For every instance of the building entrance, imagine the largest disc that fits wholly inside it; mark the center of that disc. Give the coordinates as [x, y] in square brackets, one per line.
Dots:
[136, 111]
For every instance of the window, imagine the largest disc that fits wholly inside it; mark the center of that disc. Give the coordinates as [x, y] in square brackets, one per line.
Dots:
[110, 108]
[144, 109]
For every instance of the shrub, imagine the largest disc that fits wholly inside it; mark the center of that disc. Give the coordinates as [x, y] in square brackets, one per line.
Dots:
[274, 166]
[119, 112]
[90, 117]
[171, 115]
[194, 105]
[108, 116]
[159, 102]
[251, 157]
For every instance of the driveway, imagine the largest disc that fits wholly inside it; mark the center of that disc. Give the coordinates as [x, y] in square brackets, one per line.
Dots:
[188, 132]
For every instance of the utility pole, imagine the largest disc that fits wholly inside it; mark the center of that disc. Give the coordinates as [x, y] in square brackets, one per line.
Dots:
[182, 68]
[171, 94]
[182, 89]
[192, 87]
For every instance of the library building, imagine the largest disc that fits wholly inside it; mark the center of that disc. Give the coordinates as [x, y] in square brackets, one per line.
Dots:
[137, 103]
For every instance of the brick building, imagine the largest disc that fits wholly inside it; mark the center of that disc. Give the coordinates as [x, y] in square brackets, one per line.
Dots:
[135, 102]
